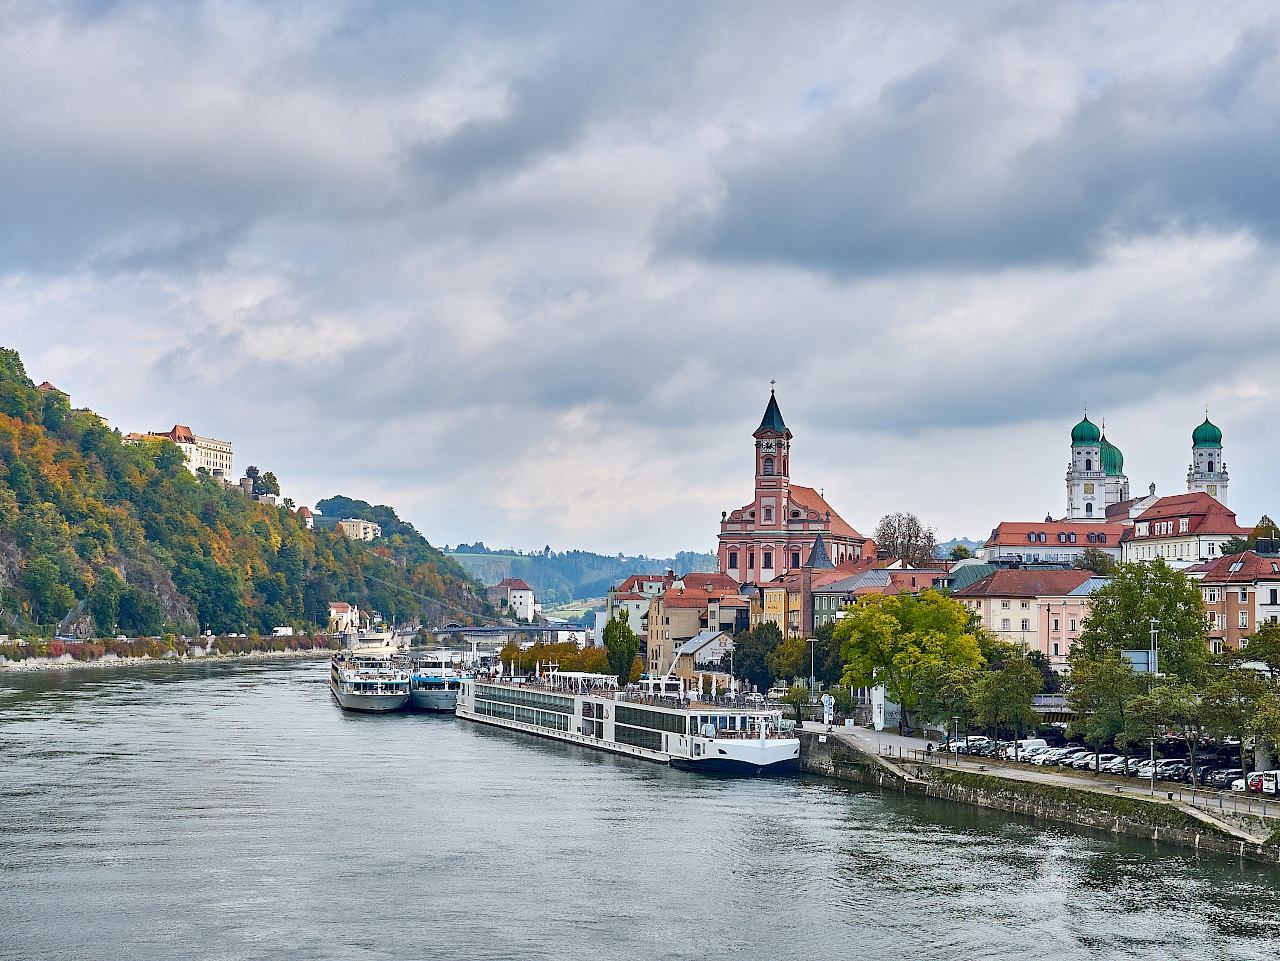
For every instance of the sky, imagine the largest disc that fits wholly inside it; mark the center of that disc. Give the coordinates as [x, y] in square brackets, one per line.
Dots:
[526, 271]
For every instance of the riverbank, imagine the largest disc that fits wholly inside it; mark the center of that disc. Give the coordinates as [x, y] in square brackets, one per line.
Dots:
[850, 755]
[66, 662]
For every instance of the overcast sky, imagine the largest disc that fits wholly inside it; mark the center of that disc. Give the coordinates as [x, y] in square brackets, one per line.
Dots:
[525, 271]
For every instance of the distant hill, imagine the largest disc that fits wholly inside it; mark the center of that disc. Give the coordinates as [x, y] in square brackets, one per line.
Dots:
[560, 577]
[945, 549]
[99, 536]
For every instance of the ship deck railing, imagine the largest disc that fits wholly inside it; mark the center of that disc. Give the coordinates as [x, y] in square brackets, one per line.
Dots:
[700, 703]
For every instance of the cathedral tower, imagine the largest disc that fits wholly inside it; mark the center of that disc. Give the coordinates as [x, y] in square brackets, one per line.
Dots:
[1095, 476]
[1208, 471]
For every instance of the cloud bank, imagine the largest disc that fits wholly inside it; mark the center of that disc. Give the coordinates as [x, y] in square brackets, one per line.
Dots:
[526, 271]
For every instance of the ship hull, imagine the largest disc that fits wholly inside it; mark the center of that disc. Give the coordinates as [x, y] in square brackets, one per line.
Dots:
[436, 701]
[369, 703]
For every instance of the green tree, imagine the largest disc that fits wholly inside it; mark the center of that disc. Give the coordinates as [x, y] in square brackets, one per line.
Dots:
[621, 646]
[1229, 703]
[947, 692]
[961, 552]
[140, 612]
[1095, 559]
[1004, 697]
[1099, 691]
[790, 659]
[104, 601]
[1233, 545]
[896, 640]
[751, 651]
[1168, 706]
[1124, 608]
[50, 599]
[798, 698]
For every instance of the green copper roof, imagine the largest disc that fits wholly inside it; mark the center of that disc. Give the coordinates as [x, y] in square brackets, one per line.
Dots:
[1112, 459]
[1206, 435]
[772, 417]
[1085, 432]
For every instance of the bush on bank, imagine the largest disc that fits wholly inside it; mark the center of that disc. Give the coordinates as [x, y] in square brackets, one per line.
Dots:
[167, 645]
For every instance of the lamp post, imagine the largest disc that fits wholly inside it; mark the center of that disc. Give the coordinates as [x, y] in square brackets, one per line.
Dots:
[955, 745]
[813, 680]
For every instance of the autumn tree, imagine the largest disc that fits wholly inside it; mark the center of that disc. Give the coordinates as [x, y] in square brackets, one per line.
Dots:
[903, 536]
[897, 640]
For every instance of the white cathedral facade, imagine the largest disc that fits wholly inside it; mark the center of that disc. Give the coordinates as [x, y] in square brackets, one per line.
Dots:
[1096, 480]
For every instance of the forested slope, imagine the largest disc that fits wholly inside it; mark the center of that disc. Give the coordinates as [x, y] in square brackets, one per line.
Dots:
[99, 536]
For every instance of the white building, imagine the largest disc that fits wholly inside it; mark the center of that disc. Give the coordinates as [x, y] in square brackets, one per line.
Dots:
[1184, 530]
[515, 597]
[1095, 476]
[214, 456]
[629, 601]
[343, 617]
[358, 529]
[1053, 542]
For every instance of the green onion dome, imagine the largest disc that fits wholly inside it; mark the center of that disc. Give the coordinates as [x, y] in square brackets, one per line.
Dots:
[1112, 459]
[1206, 435]
[1085, 432]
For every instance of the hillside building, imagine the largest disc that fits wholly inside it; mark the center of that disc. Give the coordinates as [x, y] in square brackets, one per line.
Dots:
[359, 529]
[207, 453]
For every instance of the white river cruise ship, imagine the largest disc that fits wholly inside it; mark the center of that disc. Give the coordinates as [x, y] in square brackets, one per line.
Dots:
[368, 682]
[590, 710]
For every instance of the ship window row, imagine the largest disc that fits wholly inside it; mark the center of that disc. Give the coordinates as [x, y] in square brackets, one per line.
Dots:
[510, 712]
[534, 699]
[638, 737]
[653, 720]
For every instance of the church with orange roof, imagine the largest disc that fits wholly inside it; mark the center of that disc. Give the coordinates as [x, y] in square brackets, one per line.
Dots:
[785, 527]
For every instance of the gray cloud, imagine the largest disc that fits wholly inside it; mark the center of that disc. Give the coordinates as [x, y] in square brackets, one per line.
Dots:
[527, 270]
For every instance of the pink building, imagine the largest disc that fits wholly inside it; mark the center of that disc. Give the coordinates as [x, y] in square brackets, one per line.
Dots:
[775, 533]
[1062, 618]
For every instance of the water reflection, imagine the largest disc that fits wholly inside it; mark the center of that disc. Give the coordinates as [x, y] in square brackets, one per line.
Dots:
[232, 811]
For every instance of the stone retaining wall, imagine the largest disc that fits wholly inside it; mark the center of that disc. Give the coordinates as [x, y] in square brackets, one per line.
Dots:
[834, 757]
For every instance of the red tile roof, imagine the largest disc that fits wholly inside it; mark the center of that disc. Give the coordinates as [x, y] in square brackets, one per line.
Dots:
[1015, 533]
[1242, 569]
[810, 499]
[1204, 514]
[515, 584]
[1020, 583]
[709, 581]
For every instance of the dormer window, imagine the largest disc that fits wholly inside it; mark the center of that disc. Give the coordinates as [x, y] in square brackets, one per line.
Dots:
[1102, 538]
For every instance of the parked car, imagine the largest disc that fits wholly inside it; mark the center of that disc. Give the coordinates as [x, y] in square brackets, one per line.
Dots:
[1270, 783]
[1223, 776]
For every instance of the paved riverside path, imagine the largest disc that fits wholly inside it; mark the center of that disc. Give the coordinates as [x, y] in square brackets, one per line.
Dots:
[1214, 806]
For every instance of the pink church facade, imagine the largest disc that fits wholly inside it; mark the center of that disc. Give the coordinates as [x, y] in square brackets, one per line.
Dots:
[776, 532]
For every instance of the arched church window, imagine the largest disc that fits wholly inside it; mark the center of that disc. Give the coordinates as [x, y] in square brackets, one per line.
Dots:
[1210, 467]
[768, 466]
[1088, 464]
[1088, 510]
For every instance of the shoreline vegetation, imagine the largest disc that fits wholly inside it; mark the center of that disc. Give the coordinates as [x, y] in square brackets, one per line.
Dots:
[167, 649]
[113, 660]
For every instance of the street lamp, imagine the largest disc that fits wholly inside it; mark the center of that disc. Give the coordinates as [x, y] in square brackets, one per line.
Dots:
[813, 680]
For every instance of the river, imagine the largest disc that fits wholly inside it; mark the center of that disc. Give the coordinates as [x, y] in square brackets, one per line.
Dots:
[232, 811]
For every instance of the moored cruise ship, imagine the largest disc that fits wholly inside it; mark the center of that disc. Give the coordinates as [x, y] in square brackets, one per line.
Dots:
[368, 682]
[590, 710]
[434, 681]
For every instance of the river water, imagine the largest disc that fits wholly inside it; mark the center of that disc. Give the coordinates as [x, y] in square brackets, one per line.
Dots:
[233, 811]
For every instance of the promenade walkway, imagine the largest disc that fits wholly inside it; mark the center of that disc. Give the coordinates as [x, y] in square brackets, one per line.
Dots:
[1242, 814]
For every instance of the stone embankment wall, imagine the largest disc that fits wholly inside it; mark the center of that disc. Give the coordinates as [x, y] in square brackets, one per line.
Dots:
[833, 756]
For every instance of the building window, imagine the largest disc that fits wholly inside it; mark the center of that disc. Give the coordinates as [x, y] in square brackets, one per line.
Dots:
[1273, 595]
[768, 515]
[1244, 620]
[1073, 623]
[1055, 648]
[1088, 463]
[1071, 537]
[1244, 595]
[1055, 624]
[1004, 624]
[1213, 619]
[795, 558]
[1093, 538]
[751, 561]
[1217, 647]
[1211, 595]
[768, 560]
[1026, 605]
[733, 560]
[1102, 538]
[1026, 623]
[1210, 467]
[1088, 510]
[1004, 604]
[768, 466]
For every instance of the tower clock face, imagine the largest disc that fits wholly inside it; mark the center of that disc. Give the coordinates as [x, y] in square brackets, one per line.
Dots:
[769, 446]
